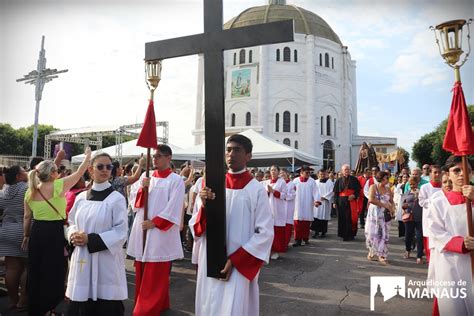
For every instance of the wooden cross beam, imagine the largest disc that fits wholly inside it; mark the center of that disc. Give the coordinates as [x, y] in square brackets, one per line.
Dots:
[211, 44]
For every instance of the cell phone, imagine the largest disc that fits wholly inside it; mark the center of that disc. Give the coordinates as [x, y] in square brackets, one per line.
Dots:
[61, 145]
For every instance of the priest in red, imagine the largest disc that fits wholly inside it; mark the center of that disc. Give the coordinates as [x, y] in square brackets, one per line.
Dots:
[346, 193]
[249, 238]
[163, 243]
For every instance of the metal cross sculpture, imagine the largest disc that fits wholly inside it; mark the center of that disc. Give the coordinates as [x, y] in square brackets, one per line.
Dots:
[39, 77]
[211, 44]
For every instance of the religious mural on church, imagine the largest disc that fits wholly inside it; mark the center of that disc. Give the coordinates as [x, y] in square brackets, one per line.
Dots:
[241, 83]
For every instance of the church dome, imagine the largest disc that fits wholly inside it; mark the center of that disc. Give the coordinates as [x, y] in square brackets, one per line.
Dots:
[306, 22]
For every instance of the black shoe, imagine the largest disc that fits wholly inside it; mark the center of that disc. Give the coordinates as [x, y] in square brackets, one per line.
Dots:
[297, 243]
[323, 235]
[306, 242]
[315, 235]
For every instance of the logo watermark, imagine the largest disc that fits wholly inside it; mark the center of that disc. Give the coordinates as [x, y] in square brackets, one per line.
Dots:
[384, 288]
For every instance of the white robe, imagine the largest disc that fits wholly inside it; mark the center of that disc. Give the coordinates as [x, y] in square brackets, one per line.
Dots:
[326, 190]
[166, 198]
[290, 202]
[306, 193]
[278, 205]
[424, 199]
[445, 222]
[367, 186]
[249, 225]
[197, 242]
[100, 275]
[397, 199]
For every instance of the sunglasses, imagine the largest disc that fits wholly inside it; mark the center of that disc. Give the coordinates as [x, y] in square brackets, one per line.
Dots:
[100, 166]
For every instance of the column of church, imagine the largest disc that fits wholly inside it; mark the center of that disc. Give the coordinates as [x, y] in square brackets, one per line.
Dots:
[312, 139]
[263, 91]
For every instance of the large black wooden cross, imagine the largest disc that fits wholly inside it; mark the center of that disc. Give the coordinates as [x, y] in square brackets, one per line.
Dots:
[211, 43]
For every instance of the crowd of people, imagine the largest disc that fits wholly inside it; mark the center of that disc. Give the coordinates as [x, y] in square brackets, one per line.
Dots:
[63, 233]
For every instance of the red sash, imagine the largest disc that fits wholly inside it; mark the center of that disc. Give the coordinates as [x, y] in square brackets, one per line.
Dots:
[354, 207]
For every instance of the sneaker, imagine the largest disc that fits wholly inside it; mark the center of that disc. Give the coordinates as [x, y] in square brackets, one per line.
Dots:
[274, 256]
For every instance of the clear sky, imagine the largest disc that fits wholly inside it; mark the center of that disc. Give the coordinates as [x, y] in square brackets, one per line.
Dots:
[403, 86]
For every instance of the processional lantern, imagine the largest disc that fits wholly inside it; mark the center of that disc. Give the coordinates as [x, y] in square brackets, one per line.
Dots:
[153, 75]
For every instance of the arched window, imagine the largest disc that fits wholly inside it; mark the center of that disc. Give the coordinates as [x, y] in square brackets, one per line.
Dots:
[320, 59]
[328, 125]
[335, 128]
[235, 58]
[295, 55]
[296, 144]
[277, 122]
[232, 119]
[286, 54]
[242, 56]
[278, 55]
[332, 62]
[296, 122]
[326, 60]
[287, 142]
[322, 125]
[329, 155]
[286, 122]
[248, 119]
[250, 56]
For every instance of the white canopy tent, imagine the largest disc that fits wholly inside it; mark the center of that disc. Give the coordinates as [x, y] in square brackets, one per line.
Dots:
[266, 152]
[130, 151]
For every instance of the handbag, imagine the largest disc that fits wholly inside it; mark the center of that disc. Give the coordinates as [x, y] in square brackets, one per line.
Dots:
[407, 217]
[387, 216]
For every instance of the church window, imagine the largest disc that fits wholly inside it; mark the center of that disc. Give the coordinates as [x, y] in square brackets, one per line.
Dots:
[242, 56]
[250, 57]
[332, 62]
[335, 128]
[232, 119]
[296, 144]
[296, 55]
[328, 125]
[277, 122]
[287, 142]
[296, 122]
[286, 122]
[235, 58]
[286, 54]
[322, 125]
[248, 119]
[326, 60]
[320, 59]
[278, 55]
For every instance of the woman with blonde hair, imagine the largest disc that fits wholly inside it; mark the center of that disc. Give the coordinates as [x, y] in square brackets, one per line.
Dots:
[45, 202]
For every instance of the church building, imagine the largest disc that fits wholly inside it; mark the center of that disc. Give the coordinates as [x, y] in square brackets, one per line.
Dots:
[302, 93]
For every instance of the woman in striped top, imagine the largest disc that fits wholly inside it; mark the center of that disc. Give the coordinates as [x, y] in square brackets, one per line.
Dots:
[11, 236]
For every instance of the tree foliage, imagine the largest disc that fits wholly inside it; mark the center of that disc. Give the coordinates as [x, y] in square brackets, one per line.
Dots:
[429, 148]
[19, 141]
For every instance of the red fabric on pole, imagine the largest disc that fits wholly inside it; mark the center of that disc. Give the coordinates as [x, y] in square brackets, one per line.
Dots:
[152, 288]
[147, 136]
[459, 138]
[279, 239]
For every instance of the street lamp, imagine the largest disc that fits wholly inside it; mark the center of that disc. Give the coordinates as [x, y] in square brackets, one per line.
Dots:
[451, 35]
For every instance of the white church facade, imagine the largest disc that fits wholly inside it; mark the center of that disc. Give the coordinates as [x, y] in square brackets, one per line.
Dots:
[302, 93]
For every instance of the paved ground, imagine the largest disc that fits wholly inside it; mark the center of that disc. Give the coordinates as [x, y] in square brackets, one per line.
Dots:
[327, 277]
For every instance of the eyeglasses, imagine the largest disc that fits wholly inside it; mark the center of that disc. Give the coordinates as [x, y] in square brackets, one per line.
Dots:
[101, 166]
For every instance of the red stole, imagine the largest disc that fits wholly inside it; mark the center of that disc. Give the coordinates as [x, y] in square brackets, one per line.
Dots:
[436, 184]
[237, 181]
[303, 179]
[454, 197]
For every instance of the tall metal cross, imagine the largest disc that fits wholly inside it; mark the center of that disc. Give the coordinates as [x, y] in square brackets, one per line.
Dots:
[39, 77]
[211, 44]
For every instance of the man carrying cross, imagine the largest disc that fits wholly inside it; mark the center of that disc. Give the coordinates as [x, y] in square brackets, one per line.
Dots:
[249, 237]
